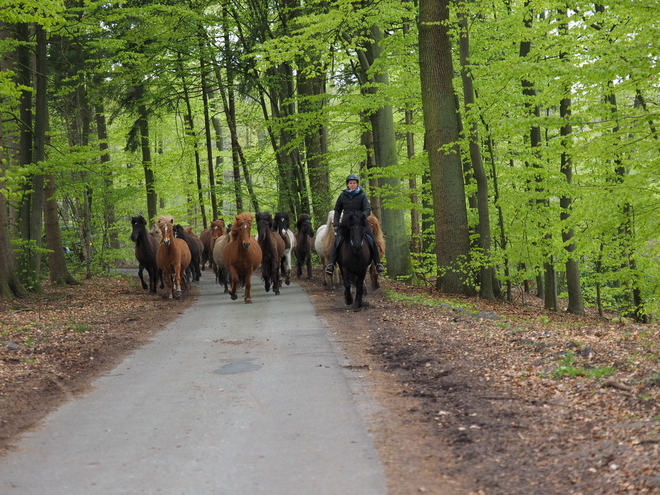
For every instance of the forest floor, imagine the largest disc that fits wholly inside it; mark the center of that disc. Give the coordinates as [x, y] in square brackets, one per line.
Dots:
[474, 397]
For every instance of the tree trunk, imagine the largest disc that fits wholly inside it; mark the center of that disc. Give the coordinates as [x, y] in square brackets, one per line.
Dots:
[149, 180]
[436, 72]
[10, 284]
[382, 123]
[31, 202]
[483, 228]
[209, 144]
[316, 146]
[102, 136]
[575, 301]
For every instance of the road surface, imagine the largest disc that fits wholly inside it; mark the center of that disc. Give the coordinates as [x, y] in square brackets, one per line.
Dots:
[231, 398]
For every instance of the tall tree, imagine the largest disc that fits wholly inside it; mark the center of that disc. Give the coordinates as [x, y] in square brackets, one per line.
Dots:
[448, 189]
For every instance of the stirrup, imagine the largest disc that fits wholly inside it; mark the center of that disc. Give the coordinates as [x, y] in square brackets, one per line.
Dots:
[330, 269]
[380, 268]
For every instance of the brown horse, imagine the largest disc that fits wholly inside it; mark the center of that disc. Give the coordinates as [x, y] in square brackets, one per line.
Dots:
[304, 241]
[272, 249]
[242, 255]
[196, 248]
[219, 267]
[208, 238]
[173, 257]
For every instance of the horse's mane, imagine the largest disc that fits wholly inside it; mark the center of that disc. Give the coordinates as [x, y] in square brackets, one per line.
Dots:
[281, 216]
[241, 218]
[378, 233]
[302, 218]
[220, 224]
[329, 237]
[164, 219]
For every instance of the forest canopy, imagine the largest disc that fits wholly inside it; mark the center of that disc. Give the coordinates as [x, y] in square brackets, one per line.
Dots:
[503, 145]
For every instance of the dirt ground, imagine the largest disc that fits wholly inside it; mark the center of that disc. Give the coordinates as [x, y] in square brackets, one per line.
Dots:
[474, 397]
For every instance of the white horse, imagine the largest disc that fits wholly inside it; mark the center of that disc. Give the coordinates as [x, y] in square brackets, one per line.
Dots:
[323, 243]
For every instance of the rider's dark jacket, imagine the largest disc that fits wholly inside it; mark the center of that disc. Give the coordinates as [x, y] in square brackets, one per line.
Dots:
[351, 201]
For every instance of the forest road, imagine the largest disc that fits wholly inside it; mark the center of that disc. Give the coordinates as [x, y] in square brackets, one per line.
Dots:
[230, 398]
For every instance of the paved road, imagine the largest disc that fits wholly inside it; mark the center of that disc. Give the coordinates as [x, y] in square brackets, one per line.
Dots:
[229, 399]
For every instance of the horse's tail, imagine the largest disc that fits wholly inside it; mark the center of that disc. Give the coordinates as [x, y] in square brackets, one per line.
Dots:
[378, 233]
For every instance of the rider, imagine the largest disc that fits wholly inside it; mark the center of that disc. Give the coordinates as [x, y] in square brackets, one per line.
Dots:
[354, 199]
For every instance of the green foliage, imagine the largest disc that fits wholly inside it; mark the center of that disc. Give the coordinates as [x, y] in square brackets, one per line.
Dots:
[569, 366]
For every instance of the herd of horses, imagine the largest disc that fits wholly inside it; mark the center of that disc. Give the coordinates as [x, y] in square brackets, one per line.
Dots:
[175, 256]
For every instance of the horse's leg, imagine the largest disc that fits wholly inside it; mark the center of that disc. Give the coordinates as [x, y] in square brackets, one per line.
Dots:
[177, 281]
[287, 268]
[309, 266]
[277, 282]
[140, 270]
[248, 289]
[348, 297]
[234, 283]
[167, 274]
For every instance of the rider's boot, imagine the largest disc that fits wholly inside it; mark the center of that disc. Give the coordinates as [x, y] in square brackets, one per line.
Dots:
[330, 269]
[375, 254]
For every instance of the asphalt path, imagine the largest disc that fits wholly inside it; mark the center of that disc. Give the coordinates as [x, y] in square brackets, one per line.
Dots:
[231, 398]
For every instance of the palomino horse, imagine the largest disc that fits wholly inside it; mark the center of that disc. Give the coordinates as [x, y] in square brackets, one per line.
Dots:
[325, 240]
[379, 239]
[196, 248]
[354, 256]
[272, 249]
[304, 240]
[281, 223]
[208, 238]
[173, 257]
[145, 252]
[242, 255]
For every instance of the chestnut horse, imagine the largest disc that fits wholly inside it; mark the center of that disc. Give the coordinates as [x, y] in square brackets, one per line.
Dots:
[173, 257]
[304, 240]
[242, 255]
[281, 222]
[272, 249]
[208, 238]
[145, 252]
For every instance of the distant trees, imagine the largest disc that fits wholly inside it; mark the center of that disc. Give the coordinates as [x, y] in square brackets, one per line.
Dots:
[536, 138]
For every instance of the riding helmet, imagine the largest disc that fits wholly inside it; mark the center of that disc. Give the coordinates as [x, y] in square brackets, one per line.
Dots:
[353, 177]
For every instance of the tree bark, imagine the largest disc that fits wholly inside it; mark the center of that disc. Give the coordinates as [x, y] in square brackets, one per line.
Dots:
[448, 189]
[483, 229]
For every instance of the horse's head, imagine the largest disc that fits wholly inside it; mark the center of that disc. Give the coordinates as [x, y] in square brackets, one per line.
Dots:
[304, 225]
[240, 229]
[264, 223]
[166, 226]
[139, 224]
[217, 228]
[356, 223]
[282, 222]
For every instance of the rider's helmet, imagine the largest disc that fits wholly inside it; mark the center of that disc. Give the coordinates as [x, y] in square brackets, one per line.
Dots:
[353, 177]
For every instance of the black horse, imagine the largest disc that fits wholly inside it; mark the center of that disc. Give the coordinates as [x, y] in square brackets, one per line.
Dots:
[304, 242]
[272, 249]
[196, 251]
[354, 256]
[145, 252]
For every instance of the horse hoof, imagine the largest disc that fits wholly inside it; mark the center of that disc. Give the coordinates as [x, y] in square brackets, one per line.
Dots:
[287, 282]
[234, 297]
[178, 294]
[248, 301]
[277, 292]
